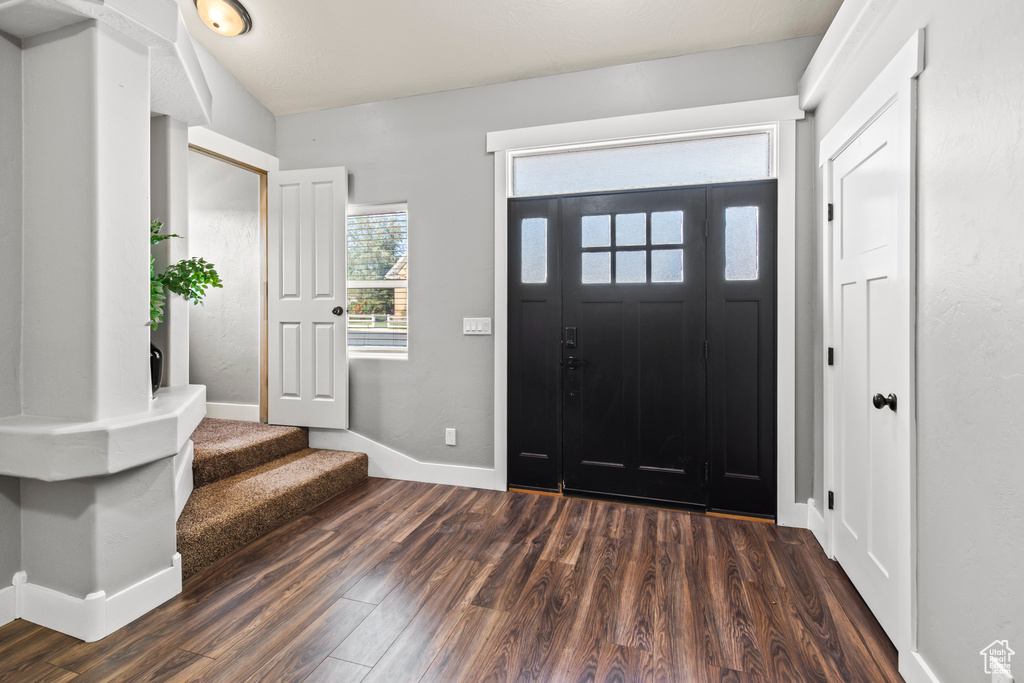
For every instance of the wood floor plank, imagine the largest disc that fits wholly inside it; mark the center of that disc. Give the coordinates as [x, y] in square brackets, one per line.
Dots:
[341, 563]
[337, 671]
[414, 650]
[420, 553]
[315, 643]
[677, 656]
[539, 658]
[626, 664]
[673, 526]
[736, 634]
[30, 649]
[634, 619]
[755, 562]
[502, 655]
[468, 585]
[569, 532]
[368, 643]
[475, 627]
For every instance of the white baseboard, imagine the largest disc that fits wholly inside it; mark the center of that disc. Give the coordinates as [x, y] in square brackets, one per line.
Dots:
[8, 604]
[183, 483]
[914, 669]
[233, 411]
[390, 464]
[816, 523]
[794, 514]
[95, 616]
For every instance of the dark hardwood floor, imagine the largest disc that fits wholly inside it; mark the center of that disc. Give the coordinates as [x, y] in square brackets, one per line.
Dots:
[399, 581]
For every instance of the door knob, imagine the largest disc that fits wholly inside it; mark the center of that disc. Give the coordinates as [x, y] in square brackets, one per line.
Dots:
[880, 401]
[573, 363]
[338, 310]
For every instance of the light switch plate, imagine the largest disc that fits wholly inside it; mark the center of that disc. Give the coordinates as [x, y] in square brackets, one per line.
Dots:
[476, 326]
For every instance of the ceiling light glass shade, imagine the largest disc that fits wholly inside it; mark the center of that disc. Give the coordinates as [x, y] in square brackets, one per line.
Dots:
[226, 17]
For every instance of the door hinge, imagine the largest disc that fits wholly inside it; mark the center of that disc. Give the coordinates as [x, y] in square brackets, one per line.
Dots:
[830, 210]
[831, 356]
[831, 500]
[705, 349]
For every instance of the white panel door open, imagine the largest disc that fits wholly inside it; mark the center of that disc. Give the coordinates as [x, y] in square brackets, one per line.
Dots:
[307, 364]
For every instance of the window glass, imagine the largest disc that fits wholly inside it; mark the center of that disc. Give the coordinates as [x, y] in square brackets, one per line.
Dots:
[378, 279]
[630, 229]
[630, 266]
[534, 250]
[597, 267]
[667, 265]
[660, 164]
[741, 261]
[597, 231]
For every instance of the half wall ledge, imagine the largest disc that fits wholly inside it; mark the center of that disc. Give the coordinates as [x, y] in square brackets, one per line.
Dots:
[50, 449]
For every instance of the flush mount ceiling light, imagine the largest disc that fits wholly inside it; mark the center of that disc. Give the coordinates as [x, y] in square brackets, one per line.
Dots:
[226, 17]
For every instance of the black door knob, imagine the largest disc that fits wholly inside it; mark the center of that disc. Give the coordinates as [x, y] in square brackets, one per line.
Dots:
[338, 310]
[573, 363]
[880, 401]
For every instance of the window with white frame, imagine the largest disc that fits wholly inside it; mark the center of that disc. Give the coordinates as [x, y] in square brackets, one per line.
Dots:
[724, 155]
[378, 280]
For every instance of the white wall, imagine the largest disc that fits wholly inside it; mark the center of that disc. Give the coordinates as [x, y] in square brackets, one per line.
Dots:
[10, 226]
[10, 284]
[236, 113]
[970, 354]
[224, 229]
[429, 151]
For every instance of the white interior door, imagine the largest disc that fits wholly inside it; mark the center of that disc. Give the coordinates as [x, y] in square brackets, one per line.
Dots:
[871, 358]
[307, 364]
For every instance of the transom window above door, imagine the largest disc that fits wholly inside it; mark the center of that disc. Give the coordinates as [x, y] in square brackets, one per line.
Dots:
[716, 157]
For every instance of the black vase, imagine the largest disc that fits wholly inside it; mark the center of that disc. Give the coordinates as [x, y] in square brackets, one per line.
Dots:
[156, 366]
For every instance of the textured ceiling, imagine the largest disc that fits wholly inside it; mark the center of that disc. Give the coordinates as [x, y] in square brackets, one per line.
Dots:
[303, 55]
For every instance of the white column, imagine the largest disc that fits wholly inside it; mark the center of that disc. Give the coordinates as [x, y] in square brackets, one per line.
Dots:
[86, 215]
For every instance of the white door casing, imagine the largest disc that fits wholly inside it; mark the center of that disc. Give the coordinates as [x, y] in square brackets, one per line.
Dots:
[306, 275]
[868, 169]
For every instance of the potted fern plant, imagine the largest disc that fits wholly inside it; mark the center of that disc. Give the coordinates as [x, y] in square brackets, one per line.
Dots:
[189, 278]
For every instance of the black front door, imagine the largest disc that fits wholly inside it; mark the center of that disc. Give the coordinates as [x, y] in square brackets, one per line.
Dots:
[641, 345]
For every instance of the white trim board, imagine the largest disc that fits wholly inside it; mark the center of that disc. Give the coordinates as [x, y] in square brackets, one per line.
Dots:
[213, 141]
[95, 616]
[183, 481]
[388, 463]
[852, 26]
[783, 111]
[8, 604]
[234, 411]
[894, 86]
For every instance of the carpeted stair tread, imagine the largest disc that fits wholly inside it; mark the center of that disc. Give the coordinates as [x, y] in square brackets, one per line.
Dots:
[227, 514]
[223, 448]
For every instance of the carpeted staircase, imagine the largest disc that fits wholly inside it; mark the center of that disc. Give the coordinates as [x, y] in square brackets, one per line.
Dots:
[251, 478]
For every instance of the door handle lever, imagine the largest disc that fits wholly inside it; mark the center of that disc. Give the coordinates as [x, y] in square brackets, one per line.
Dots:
[573, 363]
[880, 401]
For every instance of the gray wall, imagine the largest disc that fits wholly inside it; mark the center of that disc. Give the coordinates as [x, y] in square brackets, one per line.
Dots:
[236, 113]
[429, 151]
[224, 229]
[10, 226]
[970, 308]
[10, 284]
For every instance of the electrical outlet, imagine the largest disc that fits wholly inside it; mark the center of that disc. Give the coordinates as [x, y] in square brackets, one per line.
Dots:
[476, 326]
[449, 436]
